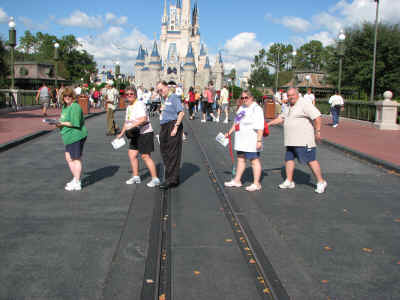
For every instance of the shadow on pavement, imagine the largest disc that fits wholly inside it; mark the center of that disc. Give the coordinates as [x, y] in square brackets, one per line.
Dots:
[99, 174]
[187, 171]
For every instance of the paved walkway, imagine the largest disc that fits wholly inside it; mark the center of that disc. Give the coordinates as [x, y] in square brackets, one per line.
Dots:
[93, 244]
[15, 125]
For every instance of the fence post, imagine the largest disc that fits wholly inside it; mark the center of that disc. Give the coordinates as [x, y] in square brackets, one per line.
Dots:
[386, 113]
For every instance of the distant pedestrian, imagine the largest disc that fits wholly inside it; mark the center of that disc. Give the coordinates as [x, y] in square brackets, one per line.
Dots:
[224, 104]
[171, 134]
[208, 101]
[192, 102]
[248, 128]
[111, 101]
[140, 132]
[74, 134]
[43, 98]
[310, 96]
[337, 103]
[302, 125]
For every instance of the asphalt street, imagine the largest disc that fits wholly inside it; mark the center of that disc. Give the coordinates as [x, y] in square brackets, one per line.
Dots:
[93, 244]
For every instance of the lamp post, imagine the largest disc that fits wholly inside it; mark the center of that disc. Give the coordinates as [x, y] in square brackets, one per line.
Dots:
[294, 54]
[12, 42]
[374, 59]
[117, 72]
[279, 48]
[342, 37]
[308, 78]
[56, 45]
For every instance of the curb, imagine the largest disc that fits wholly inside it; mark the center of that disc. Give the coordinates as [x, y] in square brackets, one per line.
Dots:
[371, 159]
[29, 137]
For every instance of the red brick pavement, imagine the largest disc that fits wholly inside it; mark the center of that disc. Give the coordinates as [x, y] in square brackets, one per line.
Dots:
[16, 125]
[365, 138]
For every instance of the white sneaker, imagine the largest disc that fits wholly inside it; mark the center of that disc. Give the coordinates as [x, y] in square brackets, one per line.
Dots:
[334, 126]
[217, 120]
[134, 179]
[203, 121]
[287, 184]
[154, 182]
[226, 121]
[232, 183]
[321, 187]
[70, 182]
[73, 186]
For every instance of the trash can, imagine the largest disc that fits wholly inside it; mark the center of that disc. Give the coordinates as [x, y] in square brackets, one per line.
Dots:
[269, 109]
[83, 101]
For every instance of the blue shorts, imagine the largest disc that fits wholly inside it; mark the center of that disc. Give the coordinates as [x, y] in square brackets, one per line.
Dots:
[303, 154]
[249, 155]
[75, 149]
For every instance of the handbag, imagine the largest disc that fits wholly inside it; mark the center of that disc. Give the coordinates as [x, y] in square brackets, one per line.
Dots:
[132, 133]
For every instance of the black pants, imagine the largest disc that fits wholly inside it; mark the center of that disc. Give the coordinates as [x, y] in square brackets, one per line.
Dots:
[171, 151]
[191, 107]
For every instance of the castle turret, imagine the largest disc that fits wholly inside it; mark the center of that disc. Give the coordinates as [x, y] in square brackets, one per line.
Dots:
[219, 72]
[206, 73]
[154, 66]
[139, 66]
[189, 70]
[186, 13]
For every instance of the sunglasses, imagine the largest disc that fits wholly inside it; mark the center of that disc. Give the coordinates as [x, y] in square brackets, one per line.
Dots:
[68, 96]
[159, 91]
[130, 94]
[244, 98]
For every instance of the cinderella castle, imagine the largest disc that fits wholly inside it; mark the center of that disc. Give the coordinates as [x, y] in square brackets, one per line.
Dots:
[180, 56]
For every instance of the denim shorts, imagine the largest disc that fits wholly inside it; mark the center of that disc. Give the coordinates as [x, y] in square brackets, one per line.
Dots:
[303, 154]
[249, 155]
[75, 149]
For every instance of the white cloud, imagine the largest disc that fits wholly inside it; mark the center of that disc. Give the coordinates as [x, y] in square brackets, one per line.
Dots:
[112, 19]
[239, 52]
[81, 19]
[296, 24]
[28, 23]
[3, 16]
[324, 37]
[115, 45]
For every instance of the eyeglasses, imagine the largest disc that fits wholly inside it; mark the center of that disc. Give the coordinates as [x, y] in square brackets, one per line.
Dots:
[244, 98]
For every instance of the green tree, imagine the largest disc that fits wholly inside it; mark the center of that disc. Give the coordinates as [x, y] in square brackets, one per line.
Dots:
[358, 57]
[260, 71]
[279, 56]
[4, 66]
[311, 56]
[232, 74]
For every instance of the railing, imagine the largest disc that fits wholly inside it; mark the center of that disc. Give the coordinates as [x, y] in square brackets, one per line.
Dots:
[17, 98]
[359, 110]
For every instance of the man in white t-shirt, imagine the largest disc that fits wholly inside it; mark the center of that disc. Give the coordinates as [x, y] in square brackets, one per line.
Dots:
[78, 90]
[310, 96]
[111, 99]
[302, 125]
[336, 101]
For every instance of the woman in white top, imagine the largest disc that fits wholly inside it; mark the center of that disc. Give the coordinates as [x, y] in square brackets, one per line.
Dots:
[139, 131]
[248, 127]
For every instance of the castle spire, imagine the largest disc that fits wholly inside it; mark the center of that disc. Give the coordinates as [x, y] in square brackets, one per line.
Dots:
[178, 4]
[207, 65]
[190, 52]
[155, 53]
[165, 15]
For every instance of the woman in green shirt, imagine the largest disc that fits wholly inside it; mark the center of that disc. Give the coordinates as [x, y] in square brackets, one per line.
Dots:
[73, 134]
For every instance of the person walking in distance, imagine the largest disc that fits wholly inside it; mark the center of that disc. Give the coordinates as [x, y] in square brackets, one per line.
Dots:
[140, 132]
[111, 101]
[301, 126]
[171, 134]
[224, 107]
[43, 98]
[310, 96]
[337, 103]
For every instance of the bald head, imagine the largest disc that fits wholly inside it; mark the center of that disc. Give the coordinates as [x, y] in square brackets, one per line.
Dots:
[293, 95]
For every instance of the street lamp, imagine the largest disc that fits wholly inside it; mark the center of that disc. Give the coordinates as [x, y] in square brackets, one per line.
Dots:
[294, 53]
[308, 78]
[12, 42]
[117, 72]
[342, 37]
[56, 46]
[279, 48]
[374, 59]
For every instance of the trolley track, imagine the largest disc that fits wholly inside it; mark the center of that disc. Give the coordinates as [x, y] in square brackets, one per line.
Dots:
[266, 279]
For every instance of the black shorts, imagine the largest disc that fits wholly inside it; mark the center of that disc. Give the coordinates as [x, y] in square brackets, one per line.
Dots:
[144, 143]
[75, 149]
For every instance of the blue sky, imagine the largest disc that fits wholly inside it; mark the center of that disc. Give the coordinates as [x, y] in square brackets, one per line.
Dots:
[112, 30]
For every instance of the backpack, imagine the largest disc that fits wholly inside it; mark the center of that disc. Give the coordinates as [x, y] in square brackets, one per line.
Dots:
[96, 94]
[266, 129]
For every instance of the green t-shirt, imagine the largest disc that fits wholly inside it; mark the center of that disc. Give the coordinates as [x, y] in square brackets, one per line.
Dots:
[74, 115]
